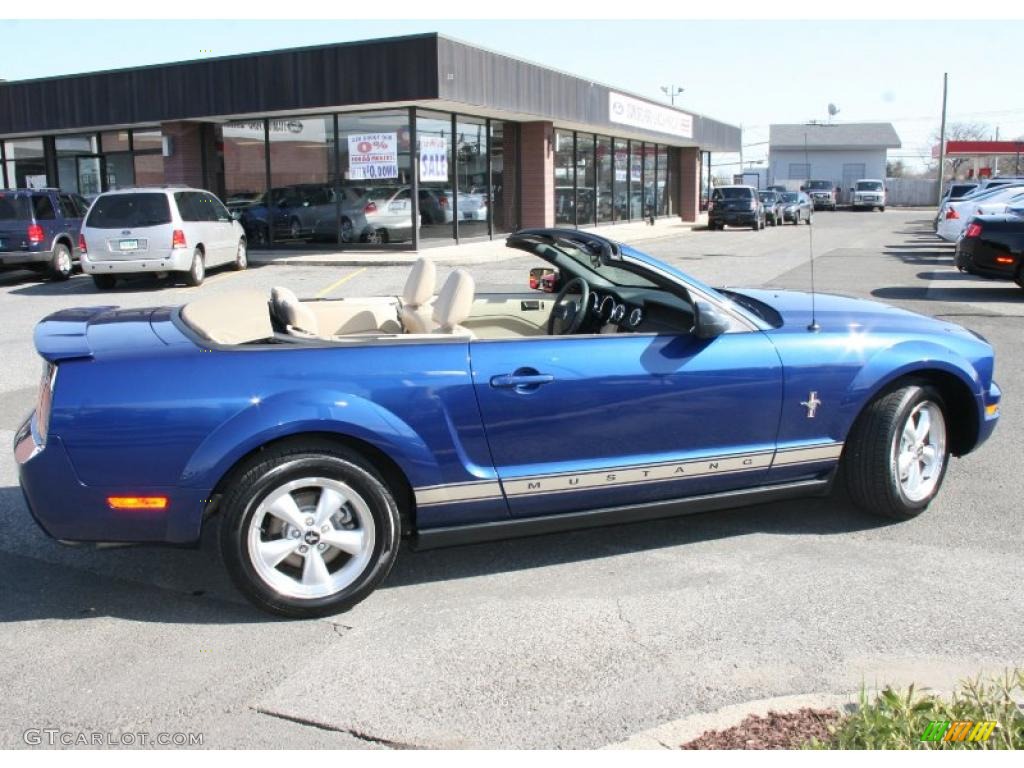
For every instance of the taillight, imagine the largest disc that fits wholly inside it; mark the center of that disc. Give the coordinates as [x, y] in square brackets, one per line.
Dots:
[178, 239]
[442, 200]
[371, 207]
[45, 399]
[35, 234]
[711, 206]
[952, 214]
[81, 244]
[973, 230]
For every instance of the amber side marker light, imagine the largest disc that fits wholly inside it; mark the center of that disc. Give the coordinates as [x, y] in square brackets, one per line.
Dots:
[992, 410]
[137, 502]
[1004, 259]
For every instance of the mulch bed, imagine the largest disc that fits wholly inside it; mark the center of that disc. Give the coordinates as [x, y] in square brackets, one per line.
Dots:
[779, 730]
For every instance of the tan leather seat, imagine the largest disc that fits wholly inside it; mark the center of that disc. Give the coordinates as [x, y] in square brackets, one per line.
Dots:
[454, 303]
[290, 311]
[415, 314]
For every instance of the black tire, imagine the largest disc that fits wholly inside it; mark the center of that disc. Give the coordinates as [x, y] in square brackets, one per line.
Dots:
[266, 473]
[870, 461]
[60, 264]
[241, 257]
[1018, 279]
[295, 229]
[347, 232]
[104, 282]
[881, 209]
[197, 272]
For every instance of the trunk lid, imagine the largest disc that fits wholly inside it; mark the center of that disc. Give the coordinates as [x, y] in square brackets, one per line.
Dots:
[92, 332]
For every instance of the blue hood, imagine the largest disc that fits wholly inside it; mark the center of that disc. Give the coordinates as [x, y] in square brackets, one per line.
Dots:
[838, 313]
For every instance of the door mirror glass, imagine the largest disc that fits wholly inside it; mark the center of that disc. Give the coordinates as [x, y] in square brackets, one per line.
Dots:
[709, 321]
[544, 279]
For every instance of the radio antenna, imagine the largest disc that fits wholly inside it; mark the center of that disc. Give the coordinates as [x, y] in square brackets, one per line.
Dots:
[813, 327]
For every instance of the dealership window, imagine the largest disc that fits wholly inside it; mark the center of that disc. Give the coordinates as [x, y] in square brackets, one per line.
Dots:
[504, 198]
[663, 181]
[24, 162]
[586, 180]
[78, 166]
[245, 177]
[565, 178]
[472, 194]
[147, 146]
[302, 200]
[603, 176]
[650, 180]
[435, 175]
[620, 179]
[636, 180]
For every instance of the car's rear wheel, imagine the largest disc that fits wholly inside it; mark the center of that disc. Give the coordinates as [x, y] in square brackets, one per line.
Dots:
[104, 282]
[60, 264]
[241, 257]
[347, 233]
[897, 453]
[309, 531]
[197, 272]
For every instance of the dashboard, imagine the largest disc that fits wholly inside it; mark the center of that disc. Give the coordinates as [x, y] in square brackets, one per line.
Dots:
[638, 310]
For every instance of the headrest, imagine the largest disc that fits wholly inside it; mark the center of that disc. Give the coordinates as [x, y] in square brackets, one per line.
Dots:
[238, 317]
[419, 286]
[290, 311]
[455, 301]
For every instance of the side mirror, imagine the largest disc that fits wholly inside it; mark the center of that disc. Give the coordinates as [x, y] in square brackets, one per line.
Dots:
[236, 215]
[709, 322]
[544, 279]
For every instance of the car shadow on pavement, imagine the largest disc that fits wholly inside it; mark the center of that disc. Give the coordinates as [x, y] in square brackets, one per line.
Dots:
[82, 284]
[953, 294]
[177, 585]
[922, 257]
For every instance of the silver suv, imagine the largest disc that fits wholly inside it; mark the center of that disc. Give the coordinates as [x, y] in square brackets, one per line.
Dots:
[159, 230]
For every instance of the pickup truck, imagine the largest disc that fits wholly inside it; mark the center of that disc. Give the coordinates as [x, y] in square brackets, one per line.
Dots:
[822, 194]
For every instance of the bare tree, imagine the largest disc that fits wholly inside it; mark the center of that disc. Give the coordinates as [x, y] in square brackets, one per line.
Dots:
[963, 132]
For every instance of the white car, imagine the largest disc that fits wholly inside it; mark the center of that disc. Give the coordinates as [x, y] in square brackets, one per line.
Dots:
[953, 216]
[868, 193]
[159, 230]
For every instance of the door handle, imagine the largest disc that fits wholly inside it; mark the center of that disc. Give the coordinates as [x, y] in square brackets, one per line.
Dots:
[522, 380]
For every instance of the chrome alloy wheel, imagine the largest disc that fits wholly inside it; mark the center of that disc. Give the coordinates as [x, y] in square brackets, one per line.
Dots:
[919, 451]
[311, 538]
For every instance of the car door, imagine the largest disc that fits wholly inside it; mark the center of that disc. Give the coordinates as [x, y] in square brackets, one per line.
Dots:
[584, 422]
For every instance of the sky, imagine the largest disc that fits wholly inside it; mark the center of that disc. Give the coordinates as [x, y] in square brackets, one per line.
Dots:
[745, 73]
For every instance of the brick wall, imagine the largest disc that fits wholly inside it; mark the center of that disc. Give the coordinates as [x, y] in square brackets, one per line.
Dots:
[689, 183]
[538, 182]
[184, 164]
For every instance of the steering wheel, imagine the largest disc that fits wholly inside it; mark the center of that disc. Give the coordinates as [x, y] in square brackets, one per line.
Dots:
[567, 315]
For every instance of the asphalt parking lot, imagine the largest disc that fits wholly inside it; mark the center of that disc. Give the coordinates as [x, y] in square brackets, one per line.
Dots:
[570, 640]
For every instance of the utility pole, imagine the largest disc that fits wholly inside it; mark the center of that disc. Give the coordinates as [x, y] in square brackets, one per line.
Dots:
[741, 147]
[942, 132]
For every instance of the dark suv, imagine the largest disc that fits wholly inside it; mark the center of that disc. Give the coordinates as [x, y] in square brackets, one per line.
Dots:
[735, 205]
[39, 230]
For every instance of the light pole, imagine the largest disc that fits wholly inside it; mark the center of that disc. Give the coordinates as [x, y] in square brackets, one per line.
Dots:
[672, 91]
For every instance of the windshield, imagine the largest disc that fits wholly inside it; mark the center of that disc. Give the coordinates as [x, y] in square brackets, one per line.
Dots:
[819, 185]
[138, 209]
[768, 197]
[14, 208]
[869, 186]
[790, 197]
[733, 193]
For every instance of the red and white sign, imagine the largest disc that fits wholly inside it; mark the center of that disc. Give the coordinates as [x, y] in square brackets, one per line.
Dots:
[653, 117]
[372, 156]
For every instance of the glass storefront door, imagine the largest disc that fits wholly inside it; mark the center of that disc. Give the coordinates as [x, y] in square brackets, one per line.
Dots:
[90, 176]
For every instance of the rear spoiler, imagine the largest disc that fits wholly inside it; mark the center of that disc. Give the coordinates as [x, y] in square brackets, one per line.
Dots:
[62, 335]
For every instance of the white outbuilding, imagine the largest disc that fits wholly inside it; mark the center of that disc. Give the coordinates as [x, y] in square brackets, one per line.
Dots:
[839, 152]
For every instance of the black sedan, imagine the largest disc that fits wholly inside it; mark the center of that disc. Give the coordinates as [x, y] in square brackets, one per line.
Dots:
[797, 207]
[993, 246]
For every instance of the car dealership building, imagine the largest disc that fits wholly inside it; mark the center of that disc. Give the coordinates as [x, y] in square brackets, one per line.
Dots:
[409, 141]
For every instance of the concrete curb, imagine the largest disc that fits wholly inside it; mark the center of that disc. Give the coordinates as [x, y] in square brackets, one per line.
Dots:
[671, 735]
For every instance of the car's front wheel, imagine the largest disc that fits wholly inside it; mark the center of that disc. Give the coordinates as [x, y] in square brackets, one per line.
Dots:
[241, 257]
[897, 453]
[309, 531]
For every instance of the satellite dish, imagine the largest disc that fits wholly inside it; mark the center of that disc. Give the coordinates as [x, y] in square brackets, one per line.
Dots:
[833, 110]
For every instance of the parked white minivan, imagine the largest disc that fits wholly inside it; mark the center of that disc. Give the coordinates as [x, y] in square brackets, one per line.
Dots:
[161, 230]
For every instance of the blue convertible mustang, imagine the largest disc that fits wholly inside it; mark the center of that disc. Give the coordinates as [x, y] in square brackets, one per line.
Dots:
[320, 432]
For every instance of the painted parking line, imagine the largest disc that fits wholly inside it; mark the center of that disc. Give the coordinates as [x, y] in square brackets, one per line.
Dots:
[340, 281]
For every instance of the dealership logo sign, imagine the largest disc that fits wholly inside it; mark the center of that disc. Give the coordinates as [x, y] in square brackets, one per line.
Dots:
[641, 114]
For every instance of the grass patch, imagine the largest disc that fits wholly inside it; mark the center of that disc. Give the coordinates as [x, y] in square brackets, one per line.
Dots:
[898, 719]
